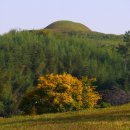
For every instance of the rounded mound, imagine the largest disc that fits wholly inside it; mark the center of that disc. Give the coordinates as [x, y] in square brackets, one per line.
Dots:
[68, 26]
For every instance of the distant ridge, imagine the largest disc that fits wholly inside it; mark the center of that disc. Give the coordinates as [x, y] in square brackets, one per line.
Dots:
[67, 26]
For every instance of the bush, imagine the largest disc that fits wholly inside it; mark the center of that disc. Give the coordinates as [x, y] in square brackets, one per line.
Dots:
[59, 93]
[1, 108]
[90, 96]
[105, 104]
[115, 96]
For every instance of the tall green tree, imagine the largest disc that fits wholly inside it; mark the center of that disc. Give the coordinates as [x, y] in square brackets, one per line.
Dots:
[124, 50]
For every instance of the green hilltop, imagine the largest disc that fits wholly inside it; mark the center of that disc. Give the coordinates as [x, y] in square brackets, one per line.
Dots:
[78, 29]
[68, 26]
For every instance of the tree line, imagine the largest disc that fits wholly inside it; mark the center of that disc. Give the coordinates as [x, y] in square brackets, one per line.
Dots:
[26, 55]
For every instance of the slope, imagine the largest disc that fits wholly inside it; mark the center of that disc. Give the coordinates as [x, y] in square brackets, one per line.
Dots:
[68, 26]
[114, 118]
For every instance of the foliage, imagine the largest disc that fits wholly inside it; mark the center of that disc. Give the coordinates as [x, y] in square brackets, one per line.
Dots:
[58, 93]
[104, 104]
[124, 50]
[115, 96]
[1, 108]
[25, 55]
[90, 95]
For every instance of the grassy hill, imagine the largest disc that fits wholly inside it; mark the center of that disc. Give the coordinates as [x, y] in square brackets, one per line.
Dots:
[67, 26]
[114, 118]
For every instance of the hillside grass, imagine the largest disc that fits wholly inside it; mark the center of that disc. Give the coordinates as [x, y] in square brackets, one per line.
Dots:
[68, 26]
[114, 118]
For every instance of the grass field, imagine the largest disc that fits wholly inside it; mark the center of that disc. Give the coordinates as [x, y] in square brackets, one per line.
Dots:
[114, 118]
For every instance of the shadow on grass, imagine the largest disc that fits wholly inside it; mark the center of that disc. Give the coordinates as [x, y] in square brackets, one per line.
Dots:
[106, 116]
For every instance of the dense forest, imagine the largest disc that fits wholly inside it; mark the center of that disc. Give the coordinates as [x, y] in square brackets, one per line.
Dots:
[26, 55]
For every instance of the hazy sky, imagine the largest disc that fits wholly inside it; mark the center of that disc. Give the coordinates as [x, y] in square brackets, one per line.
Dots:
[108, 16]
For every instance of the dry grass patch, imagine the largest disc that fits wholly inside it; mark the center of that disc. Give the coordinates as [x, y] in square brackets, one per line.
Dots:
[114, 118]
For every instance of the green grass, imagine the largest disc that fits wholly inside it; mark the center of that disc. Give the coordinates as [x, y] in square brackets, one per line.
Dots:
[114, 118]
[68, 26]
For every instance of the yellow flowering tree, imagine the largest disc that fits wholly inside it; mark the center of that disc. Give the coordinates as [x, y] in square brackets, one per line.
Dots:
[65, 90]
[58, 93]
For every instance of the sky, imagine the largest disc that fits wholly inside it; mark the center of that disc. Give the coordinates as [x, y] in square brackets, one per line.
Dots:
[106, 16]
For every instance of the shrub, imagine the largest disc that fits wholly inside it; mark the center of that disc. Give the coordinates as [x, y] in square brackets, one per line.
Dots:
[90, 96]
[59, 93]
[104, 104]
[115, 96]
[1, 108]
